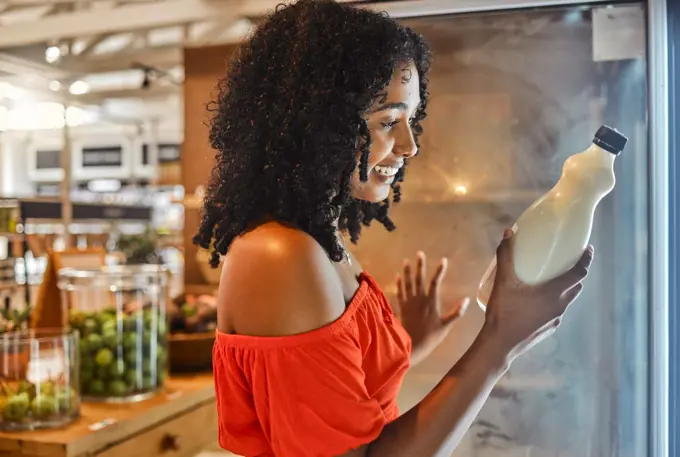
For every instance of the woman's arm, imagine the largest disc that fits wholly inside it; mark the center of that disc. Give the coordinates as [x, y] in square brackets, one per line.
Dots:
[436, 425]
[281, 283]
[517, 316]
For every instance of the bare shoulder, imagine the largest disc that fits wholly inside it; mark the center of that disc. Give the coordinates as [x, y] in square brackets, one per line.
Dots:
[276, 281]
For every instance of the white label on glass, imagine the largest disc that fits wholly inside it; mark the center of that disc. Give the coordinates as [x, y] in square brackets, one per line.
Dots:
[618, 32]
[46, 365]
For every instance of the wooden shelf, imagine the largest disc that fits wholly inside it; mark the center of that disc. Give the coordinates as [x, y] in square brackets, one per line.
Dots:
[12, 235]
[185, 412]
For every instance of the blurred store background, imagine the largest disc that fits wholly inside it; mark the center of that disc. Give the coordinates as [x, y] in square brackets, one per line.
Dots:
[103, 146]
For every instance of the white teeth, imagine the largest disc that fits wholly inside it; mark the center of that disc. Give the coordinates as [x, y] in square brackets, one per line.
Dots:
[386, 171]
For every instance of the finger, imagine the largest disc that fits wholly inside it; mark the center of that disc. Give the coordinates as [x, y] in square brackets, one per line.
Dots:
[539, 334]
[401, 297]
[504, 256]
[576, 274]
[571, 295]
[408, 279]
[551, 324]
[420, 273]
[458, 311]
[436, 281]
[396, 307]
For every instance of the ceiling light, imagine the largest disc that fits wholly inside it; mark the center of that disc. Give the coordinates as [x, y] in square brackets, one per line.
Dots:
[460, 190]
[54, 86]
[52, 54]
[79, 88]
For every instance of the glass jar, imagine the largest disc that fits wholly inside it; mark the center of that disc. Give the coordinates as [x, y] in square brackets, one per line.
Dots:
[39, 379]
[120, 313]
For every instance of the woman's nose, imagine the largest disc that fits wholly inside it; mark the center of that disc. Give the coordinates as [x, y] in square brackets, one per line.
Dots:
[405, 145]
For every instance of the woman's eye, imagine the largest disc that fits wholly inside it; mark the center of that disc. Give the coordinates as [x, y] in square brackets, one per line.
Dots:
[390, 124]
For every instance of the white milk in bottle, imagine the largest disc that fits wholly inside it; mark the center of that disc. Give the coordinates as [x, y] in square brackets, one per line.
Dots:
[552, 235]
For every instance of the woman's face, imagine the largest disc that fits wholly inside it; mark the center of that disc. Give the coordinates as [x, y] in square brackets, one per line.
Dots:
[389, 123]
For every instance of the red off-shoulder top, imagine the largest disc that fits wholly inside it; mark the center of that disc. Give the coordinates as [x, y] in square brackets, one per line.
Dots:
[315, 394]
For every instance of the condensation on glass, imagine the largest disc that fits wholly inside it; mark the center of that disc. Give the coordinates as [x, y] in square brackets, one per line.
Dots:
[513, 94]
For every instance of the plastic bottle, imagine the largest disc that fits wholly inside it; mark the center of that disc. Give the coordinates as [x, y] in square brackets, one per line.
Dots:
[551, 236]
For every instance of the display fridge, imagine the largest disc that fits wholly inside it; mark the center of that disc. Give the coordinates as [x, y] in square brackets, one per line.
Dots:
[515, 88]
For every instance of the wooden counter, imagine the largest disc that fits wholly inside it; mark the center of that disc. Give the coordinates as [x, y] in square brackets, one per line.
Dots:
[177, 423]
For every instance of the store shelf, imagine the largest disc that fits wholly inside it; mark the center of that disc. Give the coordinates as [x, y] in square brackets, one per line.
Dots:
[51, 210]
[12, 235]
[184, 414]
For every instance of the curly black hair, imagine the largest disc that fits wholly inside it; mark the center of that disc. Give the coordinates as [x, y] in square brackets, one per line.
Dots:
[289, 120]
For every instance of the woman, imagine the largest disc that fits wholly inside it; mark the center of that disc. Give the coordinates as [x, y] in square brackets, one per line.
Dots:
[314, 125]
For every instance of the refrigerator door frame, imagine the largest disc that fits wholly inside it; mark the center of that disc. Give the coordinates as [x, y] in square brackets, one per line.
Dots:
[420, 8]
[662, 366]
[659, 223]
[673, 30]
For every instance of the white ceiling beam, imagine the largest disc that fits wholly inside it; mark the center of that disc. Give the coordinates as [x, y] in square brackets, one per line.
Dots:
[53, 2]
[45, 95]
[91, 43]
[153, 93]
[220, 32]
[138, 37]
[126, 18]
[211, 33]
[39, 87]
[22, 16]
[163, 56]
[160, 57]
[22, 67]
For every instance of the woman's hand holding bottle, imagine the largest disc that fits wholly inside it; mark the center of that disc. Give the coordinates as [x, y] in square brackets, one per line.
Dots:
[519, 315]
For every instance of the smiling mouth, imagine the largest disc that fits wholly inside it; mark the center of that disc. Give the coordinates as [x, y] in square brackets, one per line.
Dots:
[386, 171]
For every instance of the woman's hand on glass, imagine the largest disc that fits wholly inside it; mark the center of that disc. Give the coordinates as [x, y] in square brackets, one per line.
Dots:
[420, 309]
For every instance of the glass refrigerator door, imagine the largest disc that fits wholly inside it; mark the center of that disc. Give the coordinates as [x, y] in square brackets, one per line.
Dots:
[513, 94]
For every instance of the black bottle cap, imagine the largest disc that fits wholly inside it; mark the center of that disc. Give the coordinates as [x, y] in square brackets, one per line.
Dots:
[610, 140]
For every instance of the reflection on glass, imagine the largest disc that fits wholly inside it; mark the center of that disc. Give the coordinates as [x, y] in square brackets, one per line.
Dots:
[513, 95]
